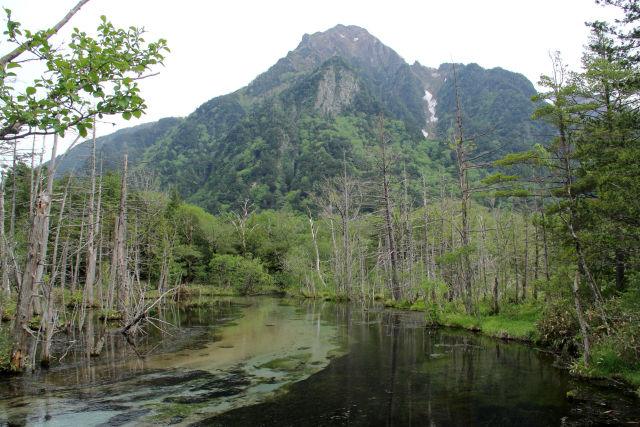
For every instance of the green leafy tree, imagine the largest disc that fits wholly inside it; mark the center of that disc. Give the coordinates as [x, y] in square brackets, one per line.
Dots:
[86, 77]
[609, 154]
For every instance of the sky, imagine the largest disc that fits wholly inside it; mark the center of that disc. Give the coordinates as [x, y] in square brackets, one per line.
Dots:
[220, 46]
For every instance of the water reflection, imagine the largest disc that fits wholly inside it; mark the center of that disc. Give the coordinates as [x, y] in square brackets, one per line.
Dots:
[214, 357]
[398, 373]
[265, 361]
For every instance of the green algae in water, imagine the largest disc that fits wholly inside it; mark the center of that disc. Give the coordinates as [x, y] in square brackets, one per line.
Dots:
[285, 347]
[291, 363]
[173, 413]
[197, 380]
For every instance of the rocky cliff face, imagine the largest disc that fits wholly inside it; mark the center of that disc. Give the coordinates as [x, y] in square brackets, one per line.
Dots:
[336, 90]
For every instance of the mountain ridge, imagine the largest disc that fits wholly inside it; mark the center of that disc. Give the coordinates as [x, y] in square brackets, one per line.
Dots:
[326, 95]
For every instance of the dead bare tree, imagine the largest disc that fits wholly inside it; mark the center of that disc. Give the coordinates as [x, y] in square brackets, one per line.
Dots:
[34, 263]
[119, 279]
[240, 221]
[5, 290]
[91, 227]
[384, 165]
[461, 150]
[314, 233]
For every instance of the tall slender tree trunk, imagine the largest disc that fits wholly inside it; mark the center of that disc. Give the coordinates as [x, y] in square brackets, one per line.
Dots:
[34, 266]
[463, 167]
[49, 316]
[515, 257]
[425, 214]
[496, 305]
[5, 290]
[336, 254]
[315, 246]
[545, 248]
[483, 255]
[120, 253]
[91, 228]
[583, 325]
[12, 218]
[345, 229]
[525, 267]
[393, 255]
[408, 241]
[75, 277]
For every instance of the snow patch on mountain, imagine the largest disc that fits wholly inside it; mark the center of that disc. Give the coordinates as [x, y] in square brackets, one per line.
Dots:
[431, 106]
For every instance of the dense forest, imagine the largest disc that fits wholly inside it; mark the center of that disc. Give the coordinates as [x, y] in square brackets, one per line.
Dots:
[536, 241]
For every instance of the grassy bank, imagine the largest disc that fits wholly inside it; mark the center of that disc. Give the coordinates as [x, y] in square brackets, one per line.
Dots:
[517, 322]
[532, 321]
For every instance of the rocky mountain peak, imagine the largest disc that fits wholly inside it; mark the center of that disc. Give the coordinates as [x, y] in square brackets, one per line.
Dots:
[349, 41]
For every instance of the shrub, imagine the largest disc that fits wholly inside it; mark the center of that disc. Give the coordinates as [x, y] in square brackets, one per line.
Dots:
[5, 350]
[245, 276]
[558, 326]
[8, 310]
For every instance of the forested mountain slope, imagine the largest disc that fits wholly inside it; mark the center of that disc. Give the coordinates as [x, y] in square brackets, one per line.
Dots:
[274, 140]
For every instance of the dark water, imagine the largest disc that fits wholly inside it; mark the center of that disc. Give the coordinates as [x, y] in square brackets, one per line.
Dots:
[265, 361]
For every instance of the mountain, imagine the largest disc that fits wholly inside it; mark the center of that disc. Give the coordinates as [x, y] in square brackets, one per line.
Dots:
[132, 141]
[275, 140]
[380, 67]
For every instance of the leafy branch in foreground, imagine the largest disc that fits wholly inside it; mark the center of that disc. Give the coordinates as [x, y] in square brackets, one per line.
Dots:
[86, 77]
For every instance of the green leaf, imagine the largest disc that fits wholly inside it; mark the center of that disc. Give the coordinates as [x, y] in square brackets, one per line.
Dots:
[13, 65]
[82, 130]
[137, 113]
[126, 115]
[31, 90]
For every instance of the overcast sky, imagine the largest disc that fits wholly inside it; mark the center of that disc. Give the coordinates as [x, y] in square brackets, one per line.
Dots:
[220, 46]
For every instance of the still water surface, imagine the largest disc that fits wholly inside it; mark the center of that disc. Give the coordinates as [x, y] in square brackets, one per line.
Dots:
[268, 361]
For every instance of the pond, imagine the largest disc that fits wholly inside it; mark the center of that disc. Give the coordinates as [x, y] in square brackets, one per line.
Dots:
[270, 361]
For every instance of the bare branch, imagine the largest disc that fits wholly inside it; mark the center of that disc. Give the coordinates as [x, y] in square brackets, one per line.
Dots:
[29, 44]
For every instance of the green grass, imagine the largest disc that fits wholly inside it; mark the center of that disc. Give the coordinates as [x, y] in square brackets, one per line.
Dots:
[607, 362]
[509, 328]
[5, 351]
[513, 322]
[9, 310]
[195, 290]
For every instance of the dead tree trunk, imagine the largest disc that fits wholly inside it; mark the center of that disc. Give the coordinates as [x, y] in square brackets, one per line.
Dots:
[496, 304]
[525, 261]
[120, 253]
[463, 168]
[393, 255]
[5, 291]
[425, 214]
[91, 229]
[34, 266]
[49, 317]
[583, 325]
[408, 241]
[314, 234]
[345, 229]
